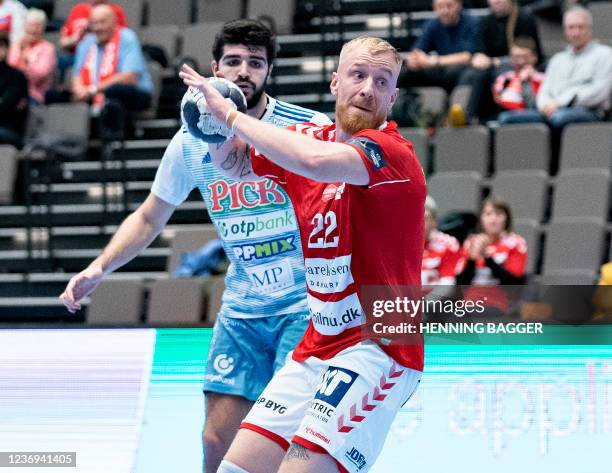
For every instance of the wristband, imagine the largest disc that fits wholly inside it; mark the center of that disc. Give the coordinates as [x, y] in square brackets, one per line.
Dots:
[231, 118]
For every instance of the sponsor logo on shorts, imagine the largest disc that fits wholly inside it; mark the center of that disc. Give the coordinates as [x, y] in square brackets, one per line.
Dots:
[332, 318]
[271, 277]
[272, 405]
[244, 195]
[223, 364]
[317, 435]
[334, 385]
[356, 458]
[328, 275]
[257, 226]
[265, 249]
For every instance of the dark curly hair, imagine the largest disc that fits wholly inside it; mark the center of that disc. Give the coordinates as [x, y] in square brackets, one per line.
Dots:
[248, 33]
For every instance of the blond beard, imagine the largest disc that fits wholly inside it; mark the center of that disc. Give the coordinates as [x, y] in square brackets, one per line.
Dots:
[353, 122]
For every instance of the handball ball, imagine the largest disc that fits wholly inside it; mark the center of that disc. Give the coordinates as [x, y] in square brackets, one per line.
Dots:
[199, 121]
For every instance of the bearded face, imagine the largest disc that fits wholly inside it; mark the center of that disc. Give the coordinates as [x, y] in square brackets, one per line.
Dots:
[353, 119]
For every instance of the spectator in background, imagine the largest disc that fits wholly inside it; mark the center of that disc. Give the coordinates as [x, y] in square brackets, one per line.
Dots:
[110, 70]
[34, 56]
[75, 26]
[578, 80]
[444, 49]
[497, 32]
[12, 16]
[442, 252]
[516, 90]
[495, 256]
[13, 99]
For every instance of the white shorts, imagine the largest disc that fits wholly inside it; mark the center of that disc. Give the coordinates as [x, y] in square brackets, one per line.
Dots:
[343, 406]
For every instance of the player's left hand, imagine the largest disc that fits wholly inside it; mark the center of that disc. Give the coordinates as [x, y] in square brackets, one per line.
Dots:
[216, 104]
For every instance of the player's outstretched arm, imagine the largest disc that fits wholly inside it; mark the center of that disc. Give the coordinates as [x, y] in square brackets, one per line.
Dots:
[136, 232]
[300, 154]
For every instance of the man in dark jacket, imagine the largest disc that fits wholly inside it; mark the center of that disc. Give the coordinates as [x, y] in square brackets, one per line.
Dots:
[13, 99]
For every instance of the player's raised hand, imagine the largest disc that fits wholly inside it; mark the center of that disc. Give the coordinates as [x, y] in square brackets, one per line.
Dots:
[215, 102]
[81, 286]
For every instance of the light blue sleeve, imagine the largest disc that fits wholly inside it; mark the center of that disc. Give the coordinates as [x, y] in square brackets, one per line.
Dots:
[173, 181]
[81, 52]
[130, 53]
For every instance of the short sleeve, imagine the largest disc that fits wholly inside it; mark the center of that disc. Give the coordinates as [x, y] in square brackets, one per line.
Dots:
[386, 158]
[173, 181]
[81, 52]
[263, 167]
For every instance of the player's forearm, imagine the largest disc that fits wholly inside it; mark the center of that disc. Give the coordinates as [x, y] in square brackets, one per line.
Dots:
[318, 160]
[132, 236]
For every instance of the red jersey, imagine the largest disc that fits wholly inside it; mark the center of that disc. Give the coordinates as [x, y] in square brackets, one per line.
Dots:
[441, 258]
[354, 236]
[508, 90]
[78, 18]
[510, 252]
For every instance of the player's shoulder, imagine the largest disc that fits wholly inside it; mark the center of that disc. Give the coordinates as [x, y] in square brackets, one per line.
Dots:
[513, 240]
[298, 113]
[445, 240]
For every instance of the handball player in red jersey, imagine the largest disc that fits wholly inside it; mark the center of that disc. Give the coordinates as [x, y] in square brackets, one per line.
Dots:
[358, 192]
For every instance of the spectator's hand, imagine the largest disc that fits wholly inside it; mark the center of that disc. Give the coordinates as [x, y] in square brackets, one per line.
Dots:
[80, 93]
[478, 245]
[81, 286]
[481, 61]
[550, 108]
[526, 72]
[417, 60]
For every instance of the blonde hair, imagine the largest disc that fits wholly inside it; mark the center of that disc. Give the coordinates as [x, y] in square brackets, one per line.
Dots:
[374, 46]
[37, 16]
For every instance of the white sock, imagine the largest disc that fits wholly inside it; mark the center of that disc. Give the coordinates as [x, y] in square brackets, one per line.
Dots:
[229, 467]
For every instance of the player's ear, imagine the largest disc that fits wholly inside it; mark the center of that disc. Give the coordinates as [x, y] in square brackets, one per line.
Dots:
[333, 86]
[215, 67]
[393, 98]
[269, 72]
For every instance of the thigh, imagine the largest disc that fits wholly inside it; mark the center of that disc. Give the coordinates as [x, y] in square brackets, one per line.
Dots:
[567, 115]
[254, 452]
[239, 362]
[358, 397]
[290, 332]
[521, 116]
[281, 407]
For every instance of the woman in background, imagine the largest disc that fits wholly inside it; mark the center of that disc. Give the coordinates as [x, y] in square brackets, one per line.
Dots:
[35, 56]
[495, 256]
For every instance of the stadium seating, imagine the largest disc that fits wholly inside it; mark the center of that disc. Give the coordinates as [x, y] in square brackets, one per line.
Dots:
[116, 302]
[420, 141]
[582, 193]
[187, 240]
[522, 147]
[8, 173]
[465, 195]
[174, 12]
[462, 149]
[177, 301]
[525, 191]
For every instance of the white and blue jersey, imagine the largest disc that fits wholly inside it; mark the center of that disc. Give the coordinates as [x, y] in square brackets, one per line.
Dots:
[254, 219]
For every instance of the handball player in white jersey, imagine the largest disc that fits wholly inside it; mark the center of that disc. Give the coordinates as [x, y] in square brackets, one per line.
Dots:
[358, 192]
[264, 311]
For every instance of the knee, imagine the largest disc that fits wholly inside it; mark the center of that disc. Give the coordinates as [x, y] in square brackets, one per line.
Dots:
[214, 440]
